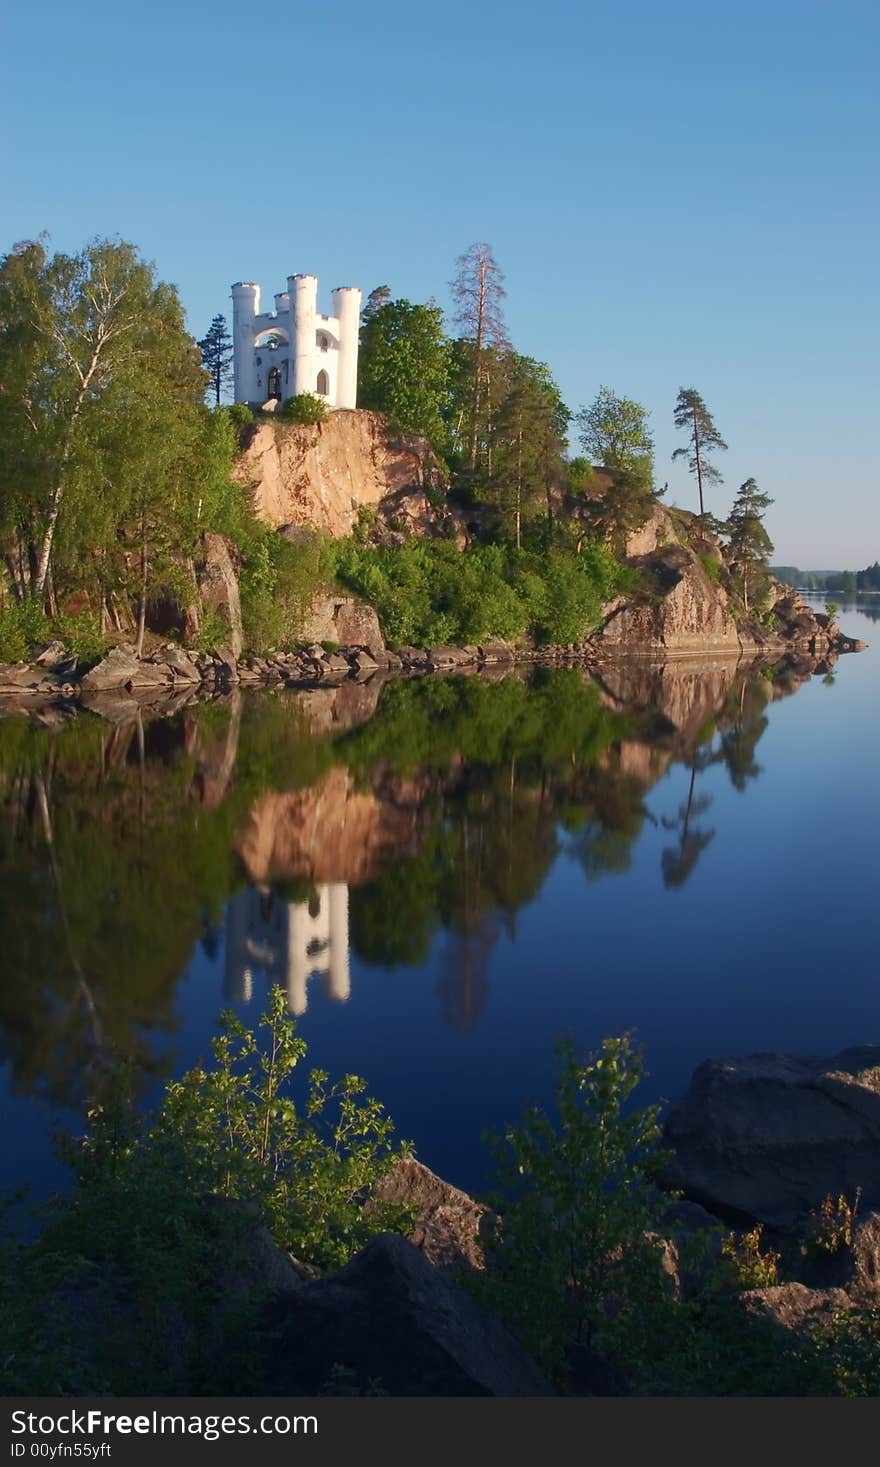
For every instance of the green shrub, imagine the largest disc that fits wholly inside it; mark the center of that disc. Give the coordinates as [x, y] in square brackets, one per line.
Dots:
[82, 635]
[279, 581]
[306, 1163]
[23, 625]
[430, 592]
[751, 1269]
[304, 408]
[575, 1262]
[712, 567]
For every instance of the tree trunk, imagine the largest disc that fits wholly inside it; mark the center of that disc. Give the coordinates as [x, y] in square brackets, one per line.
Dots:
[478, 362]
[699, 465]
[57, 493]
[142, 607]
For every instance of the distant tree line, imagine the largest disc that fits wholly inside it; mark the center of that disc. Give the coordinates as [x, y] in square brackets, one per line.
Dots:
[844, 583]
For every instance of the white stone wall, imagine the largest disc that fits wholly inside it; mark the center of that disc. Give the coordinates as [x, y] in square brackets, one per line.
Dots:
[312, 352]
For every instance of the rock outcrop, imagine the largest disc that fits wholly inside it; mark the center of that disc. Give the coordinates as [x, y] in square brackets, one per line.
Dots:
[346, 622]
[448, 1225]
[392, 1319]
[322, 476]
[683, 603]
[217, 579]
[768, 1137]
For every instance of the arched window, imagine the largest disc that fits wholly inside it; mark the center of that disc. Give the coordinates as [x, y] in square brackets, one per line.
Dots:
[323, 343]
[323, 384]
[274, 383]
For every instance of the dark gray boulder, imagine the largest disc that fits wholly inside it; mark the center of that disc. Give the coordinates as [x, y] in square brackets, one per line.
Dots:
[767, 1137]
[389, 1317]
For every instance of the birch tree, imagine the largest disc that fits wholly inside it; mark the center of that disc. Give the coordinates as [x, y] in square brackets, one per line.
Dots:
[82, 338]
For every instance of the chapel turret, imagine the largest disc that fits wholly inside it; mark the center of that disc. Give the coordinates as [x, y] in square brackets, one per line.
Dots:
[293, 348]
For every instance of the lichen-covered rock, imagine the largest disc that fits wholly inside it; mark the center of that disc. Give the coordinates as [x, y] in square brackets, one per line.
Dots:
[678, 608]
[794, 1307]
[448, 1224]
[345, 621]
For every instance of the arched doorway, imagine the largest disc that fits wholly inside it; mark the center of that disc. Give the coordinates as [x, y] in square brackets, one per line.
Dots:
[323, 384]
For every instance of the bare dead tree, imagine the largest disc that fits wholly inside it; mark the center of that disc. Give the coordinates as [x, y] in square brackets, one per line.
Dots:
[478, 292]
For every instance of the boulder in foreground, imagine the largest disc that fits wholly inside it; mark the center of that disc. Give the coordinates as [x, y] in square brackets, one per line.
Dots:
[767, 1137]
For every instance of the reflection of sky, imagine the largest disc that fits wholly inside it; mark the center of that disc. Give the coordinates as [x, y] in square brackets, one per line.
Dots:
[770, 944]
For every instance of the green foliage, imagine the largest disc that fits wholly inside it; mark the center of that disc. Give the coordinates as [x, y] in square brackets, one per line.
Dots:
[237, 1130]
[403, 367]
[279, 581]
[431, 593]
[82, 635]
[752, 1269]
[305, 407]
[23, 625]
[574, 1262]
[712, 566]
[831, 610]
[831, 1227]
[101, 413]
[614, 432]
[749, 545]
[849, 1348]
[216, 349]
[691, 414]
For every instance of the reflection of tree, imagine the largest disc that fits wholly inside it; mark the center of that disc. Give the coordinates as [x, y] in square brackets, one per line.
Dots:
[677, 862]
[609, 823]
[737, 748]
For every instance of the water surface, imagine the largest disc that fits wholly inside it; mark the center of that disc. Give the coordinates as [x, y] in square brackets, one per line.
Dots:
[446, 876]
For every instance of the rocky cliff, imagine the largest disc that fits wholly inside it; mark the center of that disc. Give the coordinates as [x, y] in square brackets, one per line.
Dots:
[324, 475]
[684, 602]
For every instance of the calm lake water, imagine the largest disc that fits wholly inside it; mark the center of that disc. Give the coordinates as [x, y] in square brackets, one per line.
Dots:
[446, 878]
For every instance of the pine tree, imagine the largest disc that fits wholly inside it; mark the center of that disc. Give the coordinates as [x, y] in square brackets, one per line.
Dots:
[216, 349]
[528, 439]
[749, 544]
[375, 301]
[691, 413]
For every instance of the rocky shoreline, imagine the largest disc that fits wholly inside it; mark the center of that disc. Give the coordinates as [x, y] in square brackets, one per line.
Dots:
[778, 1134]
[406, 1315]
[54, 676]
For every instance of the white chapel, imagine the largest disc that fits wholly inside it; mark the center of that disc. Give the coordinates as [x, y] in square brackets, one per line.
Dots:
[293, 349]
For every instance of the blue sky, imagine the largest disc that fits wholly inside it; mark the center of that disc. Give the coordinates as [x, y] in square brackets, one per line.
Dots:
[679, 193]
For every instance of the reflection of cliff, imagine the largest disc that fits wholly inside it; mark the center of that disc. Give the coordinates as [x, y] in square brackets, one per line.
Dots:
[334, 831]
[288, 942]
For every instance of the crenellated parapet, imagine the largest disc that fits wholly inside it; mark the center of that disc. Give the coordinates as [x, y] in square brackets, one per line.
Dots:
[294, 348]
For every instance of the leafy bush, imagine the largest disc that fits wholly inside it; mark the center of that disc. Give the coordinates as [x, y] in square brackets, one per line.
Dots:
[831, 1227]
[236, 1130]
[304, 408]
[751, 1268]
[430, 592]
[23, 624]
[576, 1264]
[82, 635]
[279, 581]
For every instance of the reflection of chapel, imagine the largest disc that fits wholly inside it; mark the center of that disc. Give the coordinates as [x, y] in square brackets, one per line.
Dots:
[294, 349]
[289, 941]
